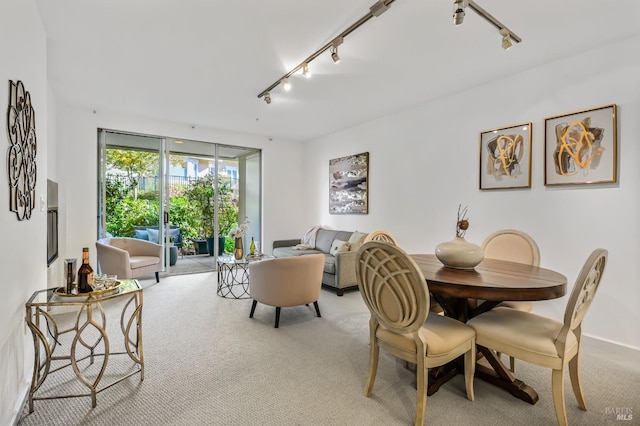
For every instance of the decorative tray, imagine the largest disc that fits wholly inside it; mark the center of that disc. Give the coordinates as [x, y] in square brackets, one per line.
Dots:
[62, 291]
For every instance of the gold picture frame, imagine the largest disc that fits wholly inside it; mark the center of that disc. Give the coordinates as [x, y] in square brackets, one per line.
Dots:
[581, 147]
[505, 157]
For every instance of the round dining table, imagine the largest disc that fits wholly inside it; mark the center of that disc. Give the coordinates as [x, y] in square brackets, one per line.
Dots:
[463, 294]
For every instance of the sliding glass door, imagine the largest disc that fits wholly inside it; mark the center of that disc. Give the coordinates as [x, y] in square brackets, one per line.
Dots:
[186, 195]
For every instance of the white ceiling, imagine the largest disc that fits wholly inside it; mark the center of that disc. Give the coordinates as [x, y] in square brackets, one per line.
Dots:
[203, 62]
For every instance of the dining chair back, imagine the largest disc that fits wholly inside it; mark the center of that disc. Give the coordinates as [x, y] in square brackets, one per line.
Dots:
[395, 292]
[381, 235]
[387, 237]
[543, 341]
[512, 245]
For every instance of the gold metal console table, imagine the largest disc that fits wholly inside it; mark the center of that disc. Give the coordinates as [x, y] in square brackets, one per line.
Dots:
[88, 336]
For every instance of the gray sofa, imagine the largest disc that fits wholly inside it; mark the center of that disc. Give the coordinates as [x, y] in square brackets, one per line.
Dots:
[339, 271]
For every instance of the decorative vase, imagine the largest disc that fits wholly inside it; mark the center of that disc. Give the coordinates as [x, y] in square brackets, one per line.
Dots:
[459, 254]
[238, 253]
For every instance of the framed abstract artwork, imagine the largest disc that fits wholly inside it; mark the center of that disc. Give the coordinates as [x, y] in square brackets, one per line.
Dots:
[581, 147]
[348, 184]
[505, 157]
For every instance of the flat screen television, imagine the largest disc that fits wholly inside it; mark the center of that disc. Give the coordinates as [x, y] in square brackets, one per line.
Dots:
[52, 221]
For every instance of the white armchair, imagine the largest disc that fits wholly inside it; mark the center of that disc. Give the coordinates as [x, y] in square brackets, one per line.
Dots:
[286, 281]
[129, 257]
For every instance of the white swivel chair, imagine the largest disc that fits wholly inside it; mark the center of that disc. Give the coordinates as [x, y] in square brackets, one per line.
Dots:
[286, 281]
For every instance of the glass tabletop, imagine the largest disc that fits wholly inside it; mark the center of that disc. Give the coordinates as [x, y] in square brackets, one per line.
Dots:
[229, 259]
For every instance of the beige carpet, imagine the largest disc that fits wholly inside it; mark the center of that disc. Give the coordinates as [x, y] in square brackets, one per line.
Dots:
[208, 363]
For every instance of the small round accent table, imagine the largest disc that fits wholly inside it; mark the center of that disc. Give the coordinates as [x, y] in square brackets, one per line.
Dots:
[233, 276]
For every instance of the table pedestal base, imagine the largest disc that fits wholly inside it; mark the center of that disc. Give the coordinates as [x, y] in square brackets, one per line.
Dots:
[500, 376]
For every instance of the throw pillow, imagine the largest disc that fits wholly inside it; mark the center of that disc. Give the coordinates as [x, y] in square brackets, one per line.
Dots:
[153, 235]
[141, 234]
[175, 235]
[356, 240]
[339, 246]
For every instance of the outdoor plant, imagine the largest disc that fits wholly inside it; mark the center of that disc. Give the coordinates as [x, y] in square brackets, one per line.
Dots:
[201, 195]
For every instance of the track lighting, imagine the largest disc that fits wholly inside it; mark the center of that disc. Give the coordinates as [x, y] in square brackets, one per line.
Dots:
[334, 55]
[285, 84]
[334, 49]
[377, 9]
[506, 42]
[458, 12]
[458, 16]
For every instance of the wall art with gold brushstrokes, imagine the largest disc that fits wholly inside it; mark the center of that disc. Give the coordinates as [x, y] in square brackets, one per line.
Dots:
[581, 147]
[505, 157]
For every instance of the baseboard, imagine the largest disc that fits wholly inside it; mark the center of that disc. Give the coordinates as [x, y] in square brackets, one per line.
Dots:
[635, 348]
[17, 411]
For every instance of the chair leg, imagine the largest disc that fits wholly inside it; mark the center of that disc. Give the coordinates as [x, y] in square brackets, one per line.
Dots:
[157, 277]
[557, 389]
[253, 308]
[470, 370]
[315, 304]
[374, 352]
[574, 374]
[512, 364]
[277, 317]
[422, 378]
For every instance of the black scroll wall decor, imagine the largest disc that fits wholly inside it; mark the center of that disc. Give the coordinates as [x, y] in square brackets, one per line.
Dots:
[21, 165]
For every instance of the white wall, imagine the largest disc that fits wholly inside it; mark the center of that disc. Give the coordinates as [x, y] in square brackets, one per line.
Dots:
[23, 265]
[78, 186]
[424, 163]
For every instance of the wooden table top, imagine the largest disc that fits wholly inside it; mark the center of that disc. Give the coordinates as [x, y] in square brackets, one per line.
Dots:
[495, 280]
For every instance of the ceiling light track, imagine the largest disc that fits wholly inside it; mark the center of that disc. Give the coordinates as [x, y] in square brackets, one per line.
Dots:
[377, 9]
[506, 33]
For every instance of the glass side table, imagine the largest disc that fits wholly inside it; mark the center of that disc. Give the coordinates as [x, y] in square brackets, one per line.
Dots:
[85, 339]
[233, 276]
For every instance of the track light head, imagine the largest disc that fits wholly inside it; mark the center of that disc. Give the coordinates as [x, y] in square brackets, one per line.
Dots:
[458, 12]
[305, 70]
[334, 55]
[285, 84]
[334, 49]
[506, 39]
[267, 98]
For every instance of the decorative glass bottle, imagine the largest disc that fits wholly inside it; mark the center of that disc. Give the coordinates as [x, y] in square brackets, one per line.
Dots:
[238, 253]
[252, 247]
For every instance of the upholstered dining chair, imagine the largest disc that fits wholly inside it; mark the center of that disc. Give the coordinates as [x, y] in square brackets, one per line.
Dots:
[515, 246]
[381, 235]
[387, 237]
[286, 281]
[396, 293]
[543, 341]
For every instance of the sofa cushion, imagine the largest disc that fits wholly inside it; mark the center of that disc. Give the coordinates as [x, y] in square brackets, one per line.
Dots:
[290, 252]
[153, 235]
[141, 234]
[339, 246]
[356, 240]
[142, 261]
[329, 264]
[324, 239]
